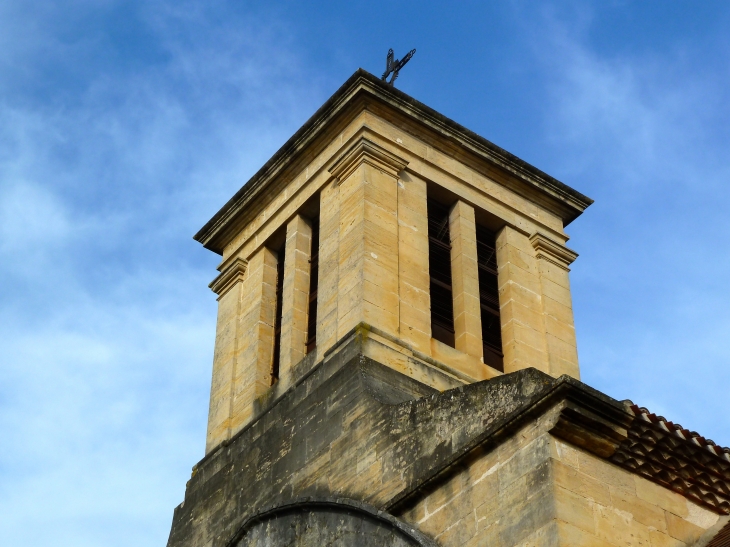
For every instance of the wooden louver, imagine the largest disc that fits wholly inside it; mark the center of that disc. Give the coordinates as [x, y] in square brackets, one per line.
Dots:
[277, 321]
[439, 269]
[489, 298]
[313, 281]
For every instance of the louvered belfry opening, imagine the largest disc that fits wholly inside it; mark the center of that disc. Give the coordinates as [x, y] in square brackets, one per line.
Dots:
[277, 320]
[489, 298]
[313, 281]
[439, 266]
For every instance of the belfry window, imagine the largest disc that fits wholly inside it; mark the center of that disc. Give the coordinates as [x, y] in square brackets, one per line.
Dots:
[279, 312]
[489, 298]
[313, 281]
[439, 269]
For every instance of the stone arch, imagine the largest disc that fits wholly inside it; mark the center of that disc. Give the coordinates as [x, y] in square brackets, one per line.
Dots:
[317, 522]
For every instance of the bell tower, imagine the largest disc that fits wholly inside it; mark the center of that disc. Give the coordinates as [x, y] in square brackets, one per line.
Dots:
[396, 360]
[374, 172]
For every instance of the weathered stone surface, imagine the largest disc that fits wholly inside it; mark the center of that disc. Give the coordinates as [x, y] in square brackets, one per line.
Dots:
[352, 428]
[368, 162]
[320, 522]
[384, 435]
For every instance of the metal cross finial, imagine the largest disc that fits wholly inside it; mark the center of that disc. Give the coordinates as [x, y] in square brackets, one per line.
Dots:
[393, 66]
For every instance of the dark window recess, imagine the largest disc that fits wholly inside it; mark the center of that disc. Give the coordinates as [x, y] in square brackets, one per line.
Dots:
[489, 298]
[277, 321]
[439, 269]
[313, 281]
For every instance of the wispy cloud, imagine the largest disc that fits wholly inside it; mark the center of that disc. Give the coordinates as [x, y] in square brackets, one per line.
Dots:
[644, 135]
[106, 324]
[125, 125]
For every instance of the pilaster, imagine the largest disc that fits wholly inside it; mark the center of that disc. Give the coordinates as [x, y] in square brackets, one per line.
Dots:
[465, 280]
[295, 295]
[254, 349]
[553, 259]
[228, 286]
[368, 237]
[520, 302]
[413, 278]
[329, 252]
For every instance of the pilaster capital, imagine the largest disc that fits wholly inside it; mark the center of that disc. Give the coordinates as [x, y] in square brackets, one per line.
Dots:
[552, 251]
[231, 275]
[363, 150]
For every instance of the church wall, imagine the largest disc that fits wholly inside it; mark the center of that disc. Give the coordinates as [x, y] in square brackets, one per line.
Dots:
[503, 498]
[537, 490]
[601, 504]
[353, 428]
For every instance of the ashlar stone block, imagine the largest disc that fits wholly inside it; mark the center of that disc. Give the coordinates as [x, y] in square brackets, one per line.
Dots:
[465, 280]
[295, 295]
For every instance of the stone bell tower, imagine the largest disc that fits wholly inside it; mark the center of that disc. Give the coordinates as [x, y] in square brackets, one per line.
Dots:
[395, 358]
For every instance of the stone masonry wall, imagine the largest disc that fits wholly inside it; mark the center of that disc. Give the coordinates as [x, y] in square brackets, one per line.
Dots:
[536, 490]
[353, 429]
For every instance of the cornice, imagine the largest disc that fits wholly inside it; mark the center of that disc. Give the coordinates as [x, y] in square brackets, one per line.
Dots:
[232, 274]
[361, 89]
[364, 150]
[556, 253]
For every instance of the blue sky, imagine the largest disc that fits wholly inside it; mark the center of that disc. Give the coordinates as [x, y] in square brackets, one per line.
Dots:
[125, 125]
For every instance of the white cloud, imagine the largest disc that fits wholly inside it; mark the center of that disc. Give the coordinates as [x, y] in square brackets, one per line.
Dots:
[641, 134]
[106, 323]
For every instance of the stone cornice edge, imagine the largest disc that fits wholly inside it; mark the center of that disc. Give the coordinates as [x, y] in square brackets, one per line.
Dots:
[550, 250]
[234, 273]
[367, 85]
[363, 150]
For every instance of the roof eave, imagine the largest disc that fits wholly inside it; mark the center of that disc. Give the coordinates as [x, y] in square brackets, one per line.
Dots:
[212, 234]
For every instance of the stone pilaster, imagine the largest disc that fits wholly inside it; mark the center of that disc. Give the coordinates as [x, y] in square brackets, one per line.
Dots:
[327, 286]
[368, 237]
[520, 302]
[295, 295]
[228, 286]
[465, 280]
[415, 300]
[553, 260]
[254, 349]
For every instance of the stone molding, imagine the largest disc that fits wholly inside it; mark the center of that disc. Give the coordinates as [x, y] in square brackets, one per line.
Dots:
[363, 150]
[324, 502]
[354, 95]
[553, 252]
[234, 273]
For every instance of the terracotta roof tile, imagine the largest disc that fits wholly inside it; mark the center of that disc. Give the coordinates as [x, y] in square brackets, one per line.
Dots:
[679, 459]
[682, 433]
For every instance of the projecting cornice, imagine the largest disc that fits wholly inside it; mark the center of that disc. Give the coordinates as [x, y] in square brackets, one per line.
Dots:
[364, 150]
[234, 273]
[364, 91]
[547, 249]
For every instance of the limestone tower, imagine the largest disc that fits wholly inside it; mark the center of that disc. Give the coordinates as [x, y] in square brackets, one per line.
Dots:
[395, 358]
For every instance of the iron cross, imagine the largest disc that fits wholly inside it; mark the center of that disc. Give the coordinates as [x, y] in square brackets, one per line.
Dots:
[393, 66]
